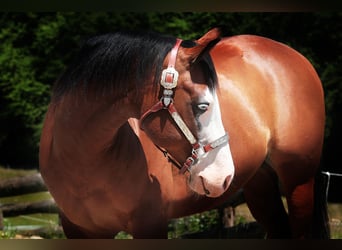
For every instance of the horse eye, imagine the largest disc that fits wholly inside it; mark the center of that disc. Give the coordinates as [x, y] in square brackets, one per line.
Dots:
[200, 108]
[203, 106]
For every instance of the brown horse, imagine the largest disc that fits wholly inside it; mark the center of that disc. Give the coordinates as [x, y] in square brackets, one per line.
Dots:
[240, 112]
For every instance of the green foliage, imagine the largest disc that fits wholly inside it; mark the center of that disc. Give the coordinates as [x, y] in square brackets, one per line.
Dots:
[23, 97]
[194, 223]
[123, 236]
[9, 233]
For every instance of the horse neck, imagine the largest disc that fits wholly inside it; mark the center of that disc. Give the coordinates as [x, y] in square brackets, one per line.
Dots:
[90, 124]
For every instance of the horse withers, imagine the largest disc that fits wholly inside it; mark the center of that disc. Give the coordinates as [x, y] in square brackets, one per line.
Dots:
[237, 112]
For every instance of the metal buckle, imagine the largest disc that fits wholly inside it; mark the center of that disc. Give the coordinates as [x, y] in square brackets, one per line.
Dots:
[197, 152]
[169, 72]
[192, 160]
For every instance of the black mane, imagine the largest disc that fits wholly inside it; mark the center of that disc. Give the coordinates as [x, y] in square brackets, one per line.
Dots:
[107, 63]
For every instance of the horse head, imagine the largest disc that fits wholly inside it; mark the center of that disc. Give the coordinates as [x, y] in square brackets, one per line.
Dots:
[186, 121]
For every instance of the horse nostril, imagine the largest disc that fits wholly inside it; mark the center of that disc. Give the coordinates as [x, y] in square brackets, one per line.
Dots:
[225, 184]
[206, 191]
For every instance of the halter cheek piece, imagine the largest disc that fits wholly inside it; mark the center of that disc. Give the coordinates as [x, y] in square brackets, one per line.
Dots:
[169, 82]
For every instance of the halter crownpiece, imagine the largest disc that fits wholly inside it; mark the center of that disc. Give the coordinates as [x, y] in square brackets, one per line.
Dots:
[169, 76]
[168, 81]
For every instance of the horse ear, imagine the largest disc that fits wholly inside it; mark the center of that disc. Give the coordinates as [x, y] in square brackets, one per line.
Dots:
[203, 44]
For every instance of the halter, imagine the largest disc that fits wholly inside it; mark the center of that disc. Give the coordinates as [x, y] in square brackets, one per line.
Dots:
[169, 82]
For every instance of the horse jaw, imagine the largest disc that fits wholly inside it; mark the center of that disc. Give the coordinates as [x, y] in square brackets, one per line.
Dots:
[214, 172]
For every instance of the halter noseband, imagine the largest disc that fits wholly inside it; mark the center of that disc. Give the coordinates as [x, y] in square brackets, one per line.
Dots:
[169, 82]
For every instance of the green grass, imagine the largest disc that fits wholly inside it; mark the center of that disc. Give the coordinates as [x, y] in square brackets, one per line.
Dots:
[32, 220]
[335, 214]
[34, 197]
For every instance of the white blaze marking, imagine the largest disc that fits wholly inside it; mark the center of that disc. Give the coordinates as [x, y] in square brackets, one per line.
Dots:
[215, 166]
